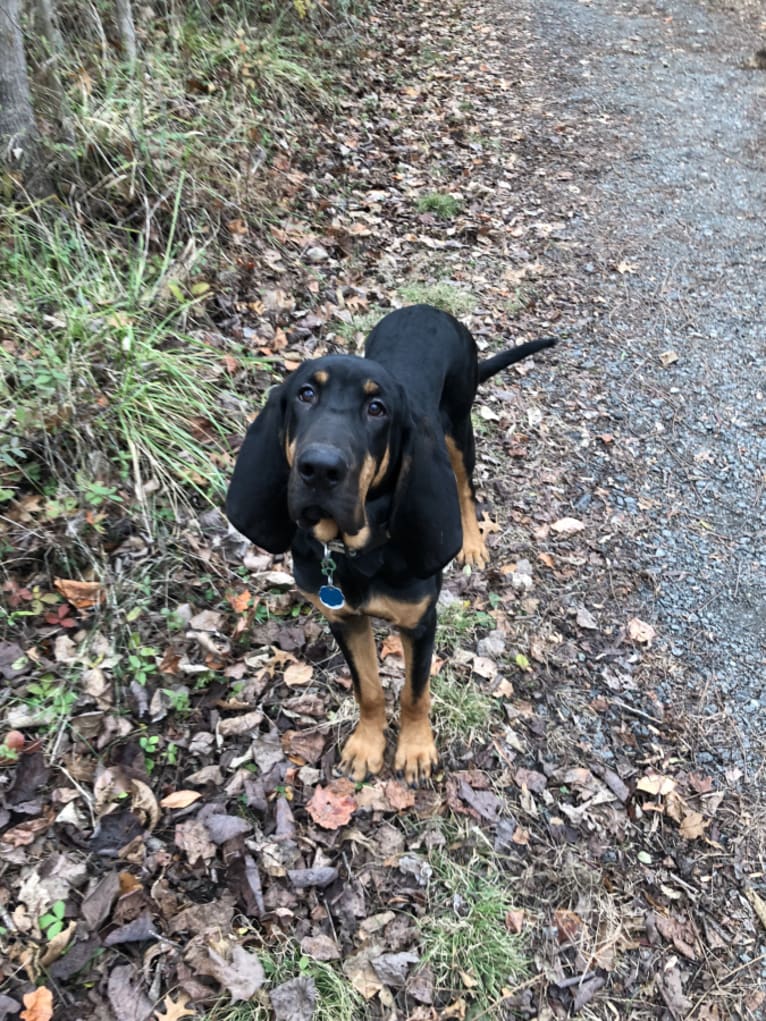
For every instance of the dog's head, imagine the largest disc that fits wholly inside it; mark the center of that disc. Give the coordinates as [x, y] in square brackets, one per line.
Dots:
[336, 439]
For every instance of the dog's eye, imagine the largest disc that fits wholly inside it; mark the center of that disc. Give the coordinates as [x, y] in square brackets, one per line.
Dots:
[307, 394]
[376, 408]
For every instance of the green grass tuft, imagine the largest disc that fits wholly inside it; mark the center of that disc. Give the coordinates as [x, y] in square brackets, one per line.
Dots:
[441, 204]
[443, 295]
[464, 936]
[102, 384]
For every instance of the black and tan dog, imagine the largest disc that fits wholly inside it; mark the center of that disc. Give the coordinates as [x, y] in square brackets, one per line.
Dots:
[363, 466]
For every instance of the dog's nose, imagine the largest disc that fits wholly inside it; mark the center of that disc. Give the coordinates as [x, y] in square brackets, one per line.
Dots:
[322, 466]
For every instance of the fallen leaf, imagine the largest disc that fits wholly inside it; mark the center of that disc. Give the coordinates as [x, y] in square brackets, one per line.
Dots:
[398, 796]
[298, 674]
[332, 807]
[514, 920]
[640, 631]
[656, 785]
[569, 925]
[82, 594]
[567, 526]
[242, 974]
[180, 799]
[758, 905]
[294, 1000]
[692, 825]
[38, 1004]
[174, 1011]
[239, 601]
[668, 358]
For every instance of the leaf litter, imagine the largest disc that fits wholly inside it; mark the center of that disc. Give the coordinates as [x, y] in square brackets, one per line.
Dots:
[194, 839]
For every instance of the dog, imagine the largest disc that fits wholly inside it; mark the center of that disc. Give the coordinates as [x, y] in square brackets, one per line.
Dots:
[363, 466]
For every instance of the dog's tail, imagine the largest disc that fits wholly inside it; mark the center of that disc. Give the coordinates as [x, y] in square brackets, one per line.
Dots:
[492, 365]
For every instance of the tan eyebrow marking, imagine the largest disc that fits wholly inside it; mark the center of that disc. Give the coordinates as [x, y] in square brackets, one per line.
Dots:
[321, 377]
[371, 387]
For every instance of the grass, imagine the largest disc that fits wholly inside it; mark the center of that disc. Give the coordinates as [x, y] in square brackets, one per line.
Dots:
[464, 935]
[337, 999]
[102, 386]
[462, 711]
[442, 204]
[442, 294]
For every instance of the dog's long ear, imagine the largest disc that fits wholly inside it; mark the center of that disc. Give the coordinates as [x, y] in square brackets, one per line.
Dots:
[256, 503]
[425, 523]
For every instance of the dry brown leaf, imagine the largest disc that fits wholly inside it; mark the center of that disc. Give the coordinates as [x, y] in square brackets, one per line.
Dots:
[640, 631]
[569, 925]
[391, 646]
[82, 594]
[656, 785]
[567, 526]
[758, 905]
[174, 1011]
[38, 1004]
[239, 601]
[180, 799]
[298, 674]
[692, 826]
[514, 920]
[332, 807]
[399, 796]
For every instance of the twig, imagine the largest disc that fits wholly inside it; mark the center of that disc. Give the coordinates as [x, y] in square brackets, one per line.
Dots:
[636, 712]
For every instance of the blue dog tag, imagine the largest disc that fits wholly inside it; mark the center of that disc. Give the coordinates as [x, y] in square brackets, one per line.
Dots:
[331, 597]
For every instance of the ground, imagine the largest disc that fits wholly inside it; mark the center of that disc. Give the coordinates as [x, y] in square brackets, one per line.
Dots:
[594, 843]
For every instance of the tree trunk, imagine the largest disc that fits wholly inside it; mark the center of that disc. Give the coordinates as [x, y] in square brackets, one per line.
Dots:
[127, 30]
[47, 27]
[17, 121]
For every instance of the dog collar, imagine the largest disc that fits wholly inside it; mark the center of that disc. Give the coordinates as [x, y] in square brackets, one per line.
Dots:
[329, 594]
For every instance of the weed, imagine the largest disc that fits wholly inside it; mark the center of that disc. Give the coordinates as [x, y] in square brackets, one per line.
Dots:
[149, 745]
[356, 331]
[52, 922]
[443, 295]
[337, 999]
[464, 712]
[50, 699]
[442, 204]
[112, 376]
[458, 622]
[468, 945]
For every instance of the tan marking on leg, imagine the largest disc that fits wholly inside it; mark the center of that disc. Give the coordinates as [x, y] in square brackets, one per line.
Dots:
[363, 752]
[416, 752]
[334, 616]
[474, 549]
[406, 615]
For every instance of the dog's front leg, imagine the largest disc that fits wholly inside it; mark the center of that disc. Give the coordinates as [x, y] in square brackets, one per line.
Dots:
[363, 752]
[416, 751]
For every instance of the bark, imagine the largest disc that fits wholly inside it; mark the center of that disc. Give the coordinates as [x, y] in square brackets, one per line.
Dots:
[127, 30]
[47, 27]
[17, 121]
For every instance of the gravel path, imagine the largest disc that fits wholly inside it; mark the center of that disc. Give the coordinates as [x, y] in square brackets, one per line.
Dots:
[657, 125]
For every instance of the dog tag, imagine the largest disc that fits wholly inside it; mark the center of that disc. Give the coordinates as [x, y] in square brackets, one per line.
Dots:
[331, 597]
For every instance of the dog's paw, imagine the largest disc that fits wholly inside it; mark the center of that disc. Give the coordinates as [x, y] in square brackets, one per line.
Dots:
[363, 753]
[474, 552]
[416, 754]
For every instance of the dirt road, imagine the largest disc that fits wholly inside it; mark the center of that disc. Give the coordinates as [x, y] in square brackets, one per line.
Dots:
[655, 120]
